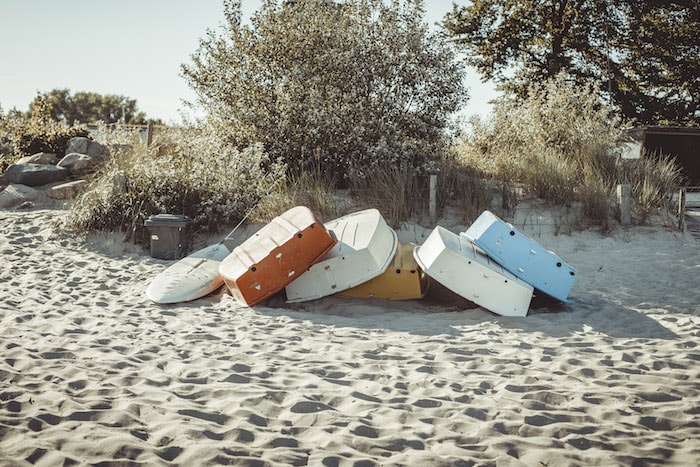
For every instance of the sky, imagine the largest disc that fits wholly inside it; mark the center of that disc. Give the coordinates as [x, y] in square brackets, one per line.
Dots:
[130, 48]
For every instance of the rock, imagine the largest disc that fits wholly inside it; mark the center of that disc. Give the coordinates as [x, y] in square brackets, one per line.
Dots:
[78, 144]
[14, 195]
[35, 174]
[82, 145]
[39, 158]
[78, 164]
[67, 190]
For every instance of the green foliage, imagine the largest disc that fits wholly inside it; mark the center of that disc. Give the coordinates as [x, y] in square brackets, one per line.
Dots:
[22, 135]
[644, 54]
[90, 107]
[520, 43]
[11, 125]
[349, 86]
[51, 140]
[193, 176]
[662, 50]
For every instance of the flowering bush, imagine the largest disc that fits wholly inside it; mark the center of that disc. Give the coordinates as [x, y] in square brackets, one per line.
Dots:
[348, 87]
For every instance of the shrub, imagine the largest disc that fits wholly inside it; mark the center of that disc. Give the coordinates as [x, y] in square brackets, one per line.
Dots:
[651, 180]
[353, 86]
[10, 126]
[560, 145]
[53, 140]
[213, 185]
[22, 135]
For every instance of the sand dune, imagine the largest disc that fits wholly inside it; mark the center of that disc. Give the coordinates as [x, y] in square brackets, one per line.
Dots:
[92, 372]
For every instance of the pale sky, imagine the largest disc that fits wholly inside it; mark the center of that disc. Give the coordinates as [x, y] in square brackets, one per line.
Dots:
[132, 48]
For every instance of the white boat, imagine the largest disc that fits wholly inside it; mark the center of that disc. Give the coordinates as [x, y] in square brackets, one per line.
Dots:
[194, 276]
[190, 278]
[522, 256]
[459, 265]
[365, 249]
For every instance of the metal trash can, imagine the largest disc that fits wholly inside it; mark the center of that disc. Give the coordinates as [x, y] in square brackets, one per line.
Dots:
[169, 235]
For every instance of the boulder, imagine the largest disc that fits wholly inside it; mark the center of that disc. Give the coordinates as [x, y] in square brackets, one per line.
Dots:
[15, 195]
[78, 164]
[35, 174]
[82, 145]
[67, 190]
[39, 158]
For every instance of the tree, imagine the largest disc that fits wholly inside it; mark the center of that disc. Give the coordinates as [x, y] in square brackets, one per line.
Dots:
[608, 42]
[90, 107]
[663, 57]
[327, 86]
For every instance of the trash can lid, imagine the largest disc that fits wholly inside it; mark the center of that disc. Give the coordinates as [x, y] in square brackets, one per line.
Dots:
[167, 220]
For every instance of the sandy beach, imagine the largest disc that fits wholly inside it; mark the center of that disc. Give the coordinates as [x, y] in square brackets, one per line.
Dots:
[93, 373]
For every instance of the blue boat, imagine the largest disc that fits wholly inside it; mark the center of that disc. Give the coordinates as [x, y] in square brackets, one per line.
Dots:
[522, 256]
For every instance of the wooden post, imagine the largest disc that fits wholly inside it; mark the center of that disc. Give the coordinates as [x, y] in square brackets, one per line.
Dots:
[681, 209]
[149, 134]
[433, 198]
[625, 199]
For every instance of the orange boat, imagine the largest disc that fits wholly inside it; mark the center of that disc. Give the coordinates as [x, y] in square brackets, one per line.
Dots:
[402, 280]
[274, 256]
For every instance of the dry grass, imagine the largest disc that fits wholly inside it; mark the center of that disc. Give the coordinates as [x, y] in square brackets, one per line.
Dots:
[557, 147]
[396, 192]
[651, 180]
[213, 185]
[560, 146]
[315, 191]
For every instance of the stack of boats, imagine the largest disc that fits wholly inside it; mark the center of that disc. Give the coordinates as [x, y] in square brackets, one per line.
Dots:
[360, 256]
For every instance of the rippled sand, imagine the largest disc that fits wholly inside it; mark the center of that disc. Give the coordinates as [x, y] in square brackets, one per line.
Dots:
[91, 372]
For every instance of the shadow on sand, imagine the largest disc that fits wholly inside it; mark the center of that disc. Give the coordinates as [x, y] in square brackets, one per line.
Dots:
[444, 313]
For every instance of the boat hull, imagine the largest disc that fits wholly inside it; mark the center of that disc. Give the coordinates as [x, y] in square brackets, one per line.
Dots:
[522, 256]
[366, 246]
[457, 264]
[277, 254]
[402, 280]
[190, 278]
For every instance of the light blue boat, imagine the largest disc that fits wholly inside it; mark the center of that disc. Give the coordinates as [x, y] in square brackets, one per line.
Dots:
[522, 256]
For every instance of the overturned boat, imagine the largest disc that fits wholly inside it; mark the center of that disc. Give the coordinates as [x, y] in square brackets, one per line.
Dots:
[521, 255]
[190, 278]
[402, 280]
[276, 255]
[366, 246]
[459, 265]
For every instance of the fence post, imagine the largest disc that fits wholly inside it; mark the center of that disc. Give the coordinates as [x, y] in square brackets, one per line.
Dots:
[624, 198]
[681, 209]
[433, 198]
[149, 134]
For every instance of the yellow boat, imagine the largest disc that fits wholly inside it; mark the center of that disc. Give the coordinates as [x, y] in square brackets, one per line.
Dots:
[402, 280]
